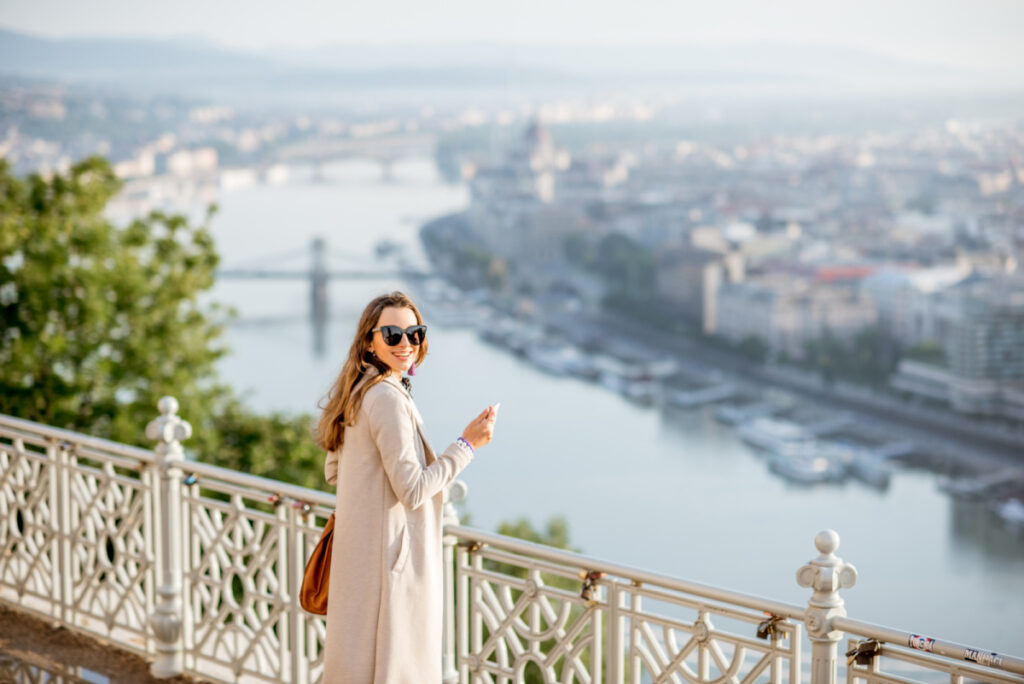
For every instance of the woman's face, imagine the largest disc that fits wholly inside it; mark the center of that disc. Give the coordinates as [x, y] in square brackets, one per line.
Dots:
[402, 355]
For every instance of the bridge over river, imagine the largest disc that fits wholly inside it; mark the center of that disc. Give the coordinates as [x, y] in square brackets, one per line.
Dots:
[385, 149]
[318, 273]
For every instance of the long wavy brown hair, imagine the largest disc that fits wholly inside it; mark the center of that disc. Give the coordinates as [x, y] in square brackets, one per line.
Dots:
[342, 403]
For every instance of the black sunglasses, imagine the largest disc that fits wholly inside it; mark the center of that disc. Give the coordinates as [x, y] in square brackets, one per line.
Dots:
[392, 334]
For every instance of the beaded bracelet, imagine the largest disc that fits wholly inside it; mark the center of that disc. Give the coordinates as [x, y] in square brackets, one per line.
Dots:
[464, 442]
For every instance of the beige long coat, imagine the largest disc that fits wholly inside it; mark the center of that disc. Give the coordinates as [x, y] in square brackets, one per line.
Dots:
[384, 605]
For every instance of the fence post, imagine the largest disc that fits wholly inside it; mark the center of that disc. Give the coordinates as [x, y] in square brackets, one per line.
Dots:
[826, 574]
[166, 622]
[455, 492]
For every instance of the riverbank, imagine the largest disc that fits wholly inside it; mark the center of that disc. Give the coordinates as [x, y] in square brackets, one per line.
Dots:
[948, 443]
[954, 440]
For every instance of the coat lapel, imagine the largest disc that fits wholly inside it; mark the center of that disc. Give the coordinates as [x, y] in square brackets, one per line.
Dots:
[428, 452]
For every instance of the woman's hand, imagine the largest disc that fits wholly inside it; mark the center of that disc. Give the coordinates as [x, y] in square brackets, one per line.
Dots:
[480, 431]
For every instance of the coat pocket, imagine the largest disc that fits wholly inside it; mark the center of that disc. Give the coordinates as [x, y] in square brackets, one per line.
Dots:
[403, 550]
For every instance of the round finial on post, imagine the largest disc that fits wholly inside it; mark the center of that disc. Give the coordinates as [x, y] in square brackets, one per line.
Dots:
[168, 617]
[169, 428]
[168, 406]
[458, 491]
[825, 574]
[826, 541]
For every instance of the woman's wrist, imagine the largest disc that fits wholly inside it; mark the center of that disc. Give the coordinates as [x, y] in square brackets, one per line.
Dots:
[465, 442]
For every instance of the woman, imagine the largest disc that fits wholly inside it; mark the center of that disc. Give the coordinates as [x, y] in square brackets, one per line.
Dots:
[384, 605]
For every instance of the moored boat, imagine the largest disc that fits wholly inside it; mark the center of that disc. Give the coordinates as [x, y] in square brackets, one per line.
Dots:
[807, 468]
[1010, 511]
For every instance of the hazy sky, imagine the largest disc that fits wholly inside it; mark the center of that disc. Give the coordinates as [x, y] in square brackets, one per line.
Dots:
[970, 33]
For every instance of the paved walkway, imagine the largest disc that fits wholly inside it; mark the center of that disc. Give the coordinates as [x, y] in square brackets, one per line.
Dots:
[30, 646]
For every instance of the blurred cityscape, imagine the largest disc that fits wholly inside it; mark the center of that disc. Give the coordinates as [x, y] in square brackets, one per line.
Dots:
[819, 250]
[901, 245]
[881, 257]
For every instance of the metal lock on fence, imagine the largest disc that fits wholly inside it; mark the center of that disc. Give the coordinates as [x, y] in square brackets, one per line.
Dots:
[864, 652]
[768, 628]
[589, 582]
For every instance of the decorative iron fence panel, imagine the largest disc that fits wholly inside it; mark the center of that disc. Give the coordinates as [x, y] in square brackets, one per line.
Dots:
[579, 620]
[198, 569]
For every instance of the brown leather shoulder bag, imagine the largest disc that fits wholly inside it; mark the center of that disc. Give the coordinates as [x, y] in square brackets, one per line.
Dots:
[313, 593]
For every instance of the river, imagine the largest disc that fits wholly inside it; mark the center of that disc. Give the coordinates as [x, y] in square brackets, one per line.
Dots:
[670, 491]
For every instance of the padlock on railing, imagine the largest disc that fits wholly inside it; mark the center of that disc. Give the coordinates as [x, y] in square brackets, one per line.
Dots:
[864, 652]
[768, 628]
[589, 581]
[472, 546]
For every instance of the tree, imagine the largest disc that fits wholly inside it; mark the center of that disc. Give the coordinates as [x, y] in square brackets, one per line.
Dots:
[928, 352]
[627, 270]
[97, 322]
[869, 358]
[754, 348]
[556, 533]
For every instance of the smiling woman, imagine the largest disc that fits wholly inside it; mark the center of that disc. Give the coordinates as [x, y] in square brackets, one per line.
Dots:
[384, 601]
[388, 346]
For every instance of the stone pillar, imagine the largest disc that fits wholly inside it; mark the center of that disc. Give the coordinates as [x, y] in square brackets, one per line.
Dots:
[168, 430]
[826, 574]
[455, 492]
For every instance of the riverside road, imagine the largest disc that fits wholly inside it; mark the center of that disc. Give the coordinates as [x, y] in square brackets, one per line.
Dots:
[952, 438]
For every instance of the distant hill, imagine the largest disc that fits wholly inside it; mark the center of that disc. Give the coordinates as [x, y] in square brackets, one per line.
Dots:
[195, 67]
[124, 60]
[332, 74]
[784, 61]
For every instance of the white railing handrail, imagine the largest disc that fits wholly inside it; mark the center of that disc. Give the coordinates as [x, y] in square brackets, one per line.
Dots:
[258, 482]
[590, 563]
[949, 649]
[61, 435]
[169, 487]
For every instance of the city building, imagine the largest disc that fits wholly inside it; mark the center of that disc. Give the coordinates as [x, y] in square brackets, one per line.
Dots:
[907, 297]
[786, 312]
[980, 326]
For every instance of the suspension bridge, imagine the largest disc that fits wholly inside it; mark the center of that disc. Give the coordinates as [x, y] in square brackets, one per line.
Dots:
[319, 273]
[386, 149]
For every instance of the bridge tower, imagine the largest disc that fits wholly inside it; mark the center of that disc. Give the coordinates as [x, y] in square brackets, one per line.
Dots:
[387, 167]
[318, 171]
[318, 278]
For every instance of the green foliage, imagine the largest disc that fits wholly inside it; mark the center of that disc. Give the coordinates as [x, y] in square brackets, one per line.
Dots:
[750, 347]
[579, 250]
[555, 534]
[626, 269]
[753, 348]
[928, 352]
[626, 264]
[98, 322]
[869, 358]
[276, 446]
[450, 243]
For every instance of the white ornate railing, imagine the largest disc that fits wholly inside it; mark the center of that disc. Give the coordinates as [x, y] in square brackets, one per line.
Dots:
[198, 568]
[193, 566]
